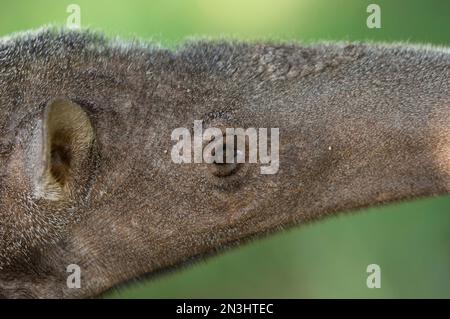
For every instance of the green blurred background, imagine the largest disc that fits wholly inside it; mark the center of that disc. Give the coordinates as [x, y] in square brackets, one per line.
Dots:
[410, 241]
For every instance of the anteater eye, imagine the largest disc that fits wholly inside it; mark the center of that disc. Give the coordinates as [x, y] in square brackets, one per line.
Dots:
[228, 157]
[225, 168]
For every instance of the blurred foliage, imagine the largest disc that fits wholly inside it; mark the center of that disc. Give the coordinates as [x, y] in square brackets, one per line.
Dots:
[410, 241]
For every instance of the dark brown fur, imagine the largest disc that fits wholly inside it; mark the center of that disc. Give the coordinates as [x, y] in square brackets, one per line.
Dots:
[359, 125]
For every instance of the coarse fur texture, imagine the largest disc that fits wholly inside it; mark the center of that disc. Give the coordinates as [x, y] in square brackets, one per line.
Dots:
[85, 140]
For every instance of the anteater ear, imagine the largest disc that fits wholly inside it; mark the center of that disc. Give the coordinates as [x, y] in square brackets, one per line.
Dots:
[62, 145]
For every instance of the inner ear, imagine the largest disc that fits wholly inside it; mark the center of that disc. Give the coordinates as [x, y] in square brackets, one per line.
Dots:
[60, 156]
[67, 137]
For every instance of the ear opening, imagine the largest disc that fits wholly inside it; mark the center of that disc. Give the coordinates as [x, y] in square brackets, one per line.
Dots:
[66, 141]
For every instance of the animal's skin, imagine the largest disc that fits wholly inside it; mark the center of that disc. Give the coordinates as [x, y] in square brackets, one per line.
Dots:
[85, 143]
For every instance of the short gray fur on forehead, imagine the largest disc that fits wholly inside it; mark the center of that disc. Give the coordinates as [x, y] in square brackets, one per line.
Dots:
[245, 61]
[268, 60]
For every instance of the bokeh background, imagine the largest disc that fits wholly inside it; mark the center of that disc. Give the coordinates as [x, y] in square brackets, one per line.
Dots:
[410, 241]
